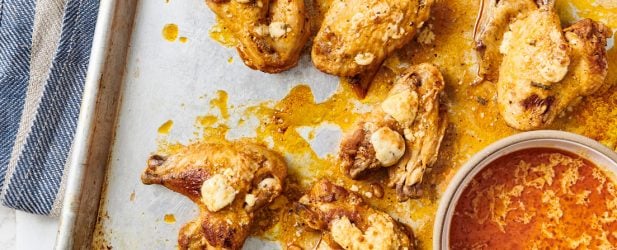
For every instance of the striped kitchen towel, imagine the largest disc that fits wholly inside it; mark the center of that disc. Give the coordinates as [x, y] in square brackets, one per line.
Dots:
[44, 52]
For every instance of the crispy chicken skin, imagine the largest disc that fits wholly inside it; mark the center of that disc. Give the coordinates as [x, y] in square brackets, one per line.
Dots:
[228, 181]
[542, 68]
[358, 35]
[403, 132]
[588, 69]
[272, 33]
[348, 222]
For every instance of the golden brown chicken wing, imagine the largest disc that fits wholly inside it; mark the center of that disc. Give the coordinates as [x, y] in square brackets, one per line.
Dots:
[348, 222]
[356, 36]
[272, 33]
[535, 57]
[494, 18]
[588, 67]
[228, 181]
[541, 69]
[403, 132]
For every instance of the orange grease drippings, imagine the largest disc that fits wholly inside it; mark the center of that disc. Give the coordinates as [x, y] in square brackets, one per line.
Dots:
[170, 32]
[220, 102]
[169, 219]
[223, 36]
[604, 11]
[165, 128]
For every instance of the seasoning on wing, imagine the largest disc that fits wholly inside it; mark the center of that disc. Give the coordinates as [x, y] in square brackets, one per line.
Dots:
[542, 68]
[228, 181]
[494, 17]
[535, 57]
[403, 133]
[272, 33]
[348, 222]
[358, 35]
[588, 69]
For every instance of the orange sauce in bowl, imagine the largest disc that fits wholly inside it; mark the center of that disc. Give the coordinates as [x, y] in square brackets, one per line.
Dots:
[537, 199]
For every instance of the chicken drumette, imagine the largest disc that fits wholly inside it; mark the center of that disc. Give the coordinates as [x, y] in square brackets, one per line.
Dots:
[348, 222]
[358, 35]
[228, 181]
[542, 68]
[271, 33]
[403, 132]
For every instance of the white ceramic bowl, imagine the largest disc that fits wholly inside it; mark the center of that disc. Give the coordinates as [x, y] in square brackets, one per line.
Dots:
[592, 150]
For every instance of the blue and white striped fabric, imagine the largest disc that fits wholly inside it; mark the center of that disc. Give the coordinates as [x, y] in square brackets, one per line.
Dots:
[44, 52]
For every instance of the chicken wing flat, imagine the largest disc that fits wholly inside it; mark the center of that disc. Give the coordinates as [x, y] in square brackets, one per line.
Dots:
[535, 57]
[272, 33]
[588, 69]
[403, 132]
[542, 68]
[348, 222]
[228, 181]
[493, 21]
[358, 35]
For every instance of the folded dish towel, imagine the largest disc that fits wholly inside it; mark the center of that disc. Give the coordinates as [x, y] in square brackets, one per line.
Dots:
[44, 53]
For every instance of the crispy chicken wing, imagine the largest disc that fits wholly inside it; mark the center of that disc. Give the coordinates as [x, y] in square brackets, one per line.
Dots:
[403, 132]
[542, 68]
[348, 222]
[272, 33]
[228, 181]
[358, 35]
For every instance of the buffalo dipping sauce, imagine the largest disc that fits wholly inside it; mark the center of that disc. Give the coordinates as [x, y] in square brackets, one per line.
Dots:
[537, 199]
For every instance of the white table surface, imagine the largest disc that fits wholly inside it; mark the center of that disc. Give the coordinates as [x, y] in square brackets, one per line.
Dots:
[24, 231]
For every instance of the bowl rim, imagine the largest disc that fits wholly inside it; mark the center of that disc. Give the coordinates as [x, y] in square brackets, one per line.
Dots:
[446, 199]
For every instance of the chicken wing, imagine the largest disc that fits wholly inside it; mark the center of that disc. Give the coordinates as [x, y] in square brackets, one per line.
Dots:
[494, 17]
[588, 67]
[272, 33]
[403, 132]
[535, 57]
[228, 181]
[358, 35]
[348, 222]
[541, 69]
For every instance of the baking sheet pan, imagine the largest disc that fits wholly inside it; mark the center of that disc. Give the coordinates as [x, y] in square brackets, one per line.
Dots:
[94, 133]
[140, 81]
[175, 81]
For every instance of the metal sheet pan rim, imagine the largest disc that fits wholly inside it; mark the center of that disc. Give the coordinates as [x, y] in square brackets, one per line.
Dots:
[85, 127]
